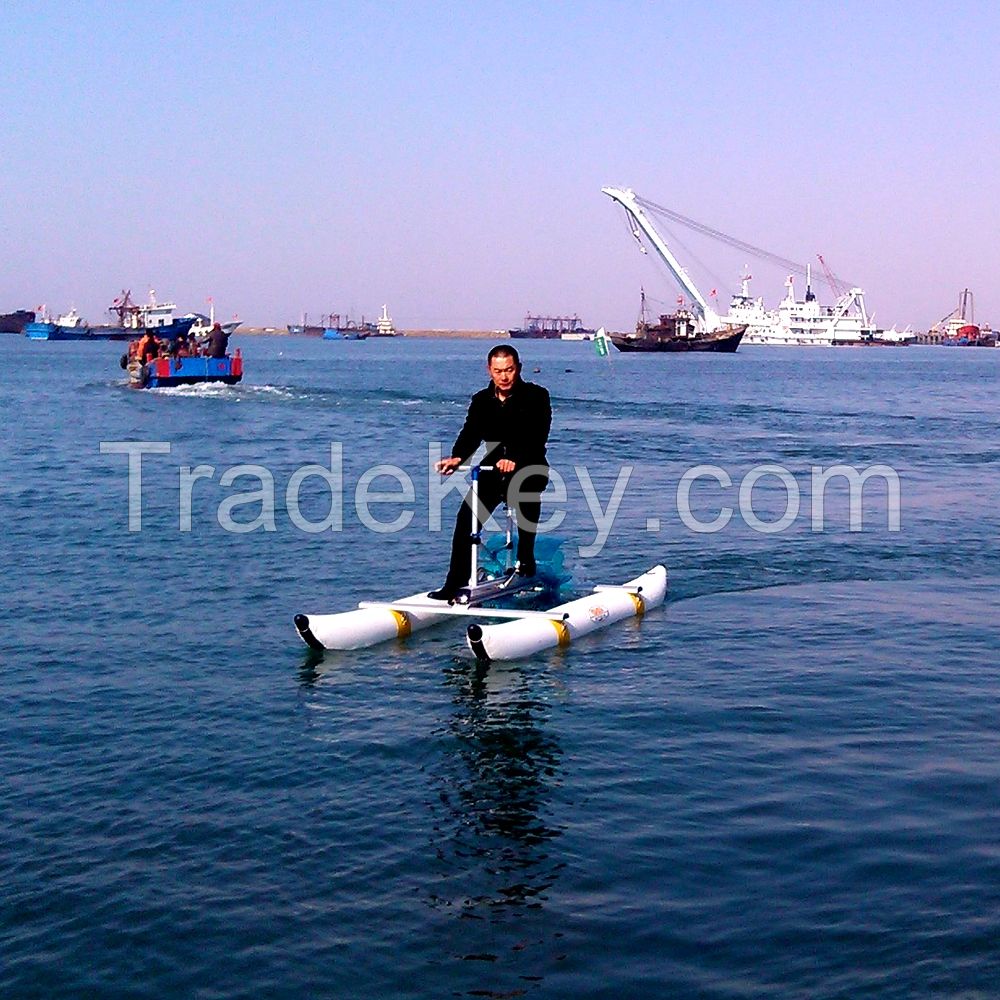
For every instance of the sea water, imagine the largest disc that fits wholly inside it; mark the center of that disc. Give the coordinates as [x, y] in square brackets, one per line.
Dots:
[784, 783]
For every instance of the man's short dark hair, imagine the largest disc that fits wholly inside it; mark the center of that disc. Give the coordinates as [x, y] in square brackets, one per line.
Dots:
[503, 350]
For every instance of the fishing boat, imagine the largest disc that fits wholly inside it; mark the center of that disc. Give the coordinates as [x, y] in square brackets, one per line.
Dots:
[133, 321]
[53, 330]
[673, 333]
[162, 373]
[345, 333]
[345, 328]
[678, 331]
[67, 326]
[693, 327]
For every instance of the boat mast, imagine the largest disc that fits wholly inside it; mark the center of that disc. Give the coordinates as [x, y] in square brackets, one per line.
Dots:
[626, 198]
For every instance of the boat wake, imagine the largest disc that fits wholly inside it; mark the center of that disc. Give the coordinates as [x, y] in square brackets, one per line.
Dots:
[222, 391]
[306, 395]
[199, 389]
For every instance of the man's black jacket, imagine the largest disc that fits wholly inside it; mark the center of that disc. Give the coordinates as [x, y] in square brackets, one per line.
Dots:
[517, 429]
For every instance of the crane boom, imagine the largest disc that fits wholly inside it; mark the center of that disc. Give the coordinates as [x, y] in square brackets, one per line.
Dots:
[626, 198]
[839, 288]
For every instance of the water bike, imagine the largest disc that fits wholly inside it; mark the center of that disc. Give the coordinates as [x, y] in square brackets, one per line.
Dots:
[522, 632]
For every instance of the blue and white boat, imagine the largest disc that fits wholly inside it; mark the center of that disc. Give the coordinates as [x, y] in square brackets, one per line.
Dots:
[334, 329]
[133, 321]
[203, 324]
[162, 373]
[335, 333]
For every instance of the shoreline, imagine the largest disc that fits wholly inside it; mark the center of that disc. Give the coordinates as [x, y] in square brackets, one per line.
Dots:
[274, 331]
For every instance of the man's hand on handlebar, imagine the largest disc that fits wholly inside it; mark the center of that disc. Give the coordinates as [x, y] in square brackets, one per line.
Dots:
[447, 465]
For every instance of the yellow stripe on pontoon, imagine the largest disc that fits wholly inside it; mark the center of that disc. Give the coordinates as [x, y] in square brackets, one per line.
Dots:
[402, 623]
[562, 630]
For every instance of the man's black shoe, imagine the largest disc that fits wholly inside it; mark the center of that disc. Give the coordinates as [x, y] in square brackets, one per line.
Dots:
[446, 593]
[527, 569]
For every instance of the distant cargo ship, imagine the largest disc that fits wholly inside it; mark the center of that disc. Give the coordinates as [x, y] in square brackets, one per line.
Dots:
[305, 328]
[959, 328]
[334, 326]
[16, 321]
[552, 328]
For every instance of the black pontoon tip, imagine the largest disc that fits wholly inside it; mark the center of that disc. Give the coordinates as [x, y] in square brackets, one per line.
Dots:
[475, 634]
[302, 624]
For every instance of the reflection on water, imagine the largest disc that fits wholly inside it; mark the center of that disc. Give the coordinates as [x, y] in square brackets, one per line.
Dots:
[494, 834]
[495, 787]
[309, 671]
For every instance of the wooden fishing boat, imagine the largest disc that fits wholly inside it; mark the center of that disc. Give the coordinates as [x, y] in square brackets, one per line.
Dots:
[678, 331]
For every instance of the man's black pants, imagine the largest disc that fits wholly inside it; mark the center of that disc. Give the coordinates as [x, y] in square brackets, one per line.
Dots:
[492, 490]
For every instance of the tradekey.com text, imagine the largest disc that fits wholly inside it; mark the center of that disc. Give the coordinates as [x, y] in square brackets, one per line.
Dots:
[256, 502]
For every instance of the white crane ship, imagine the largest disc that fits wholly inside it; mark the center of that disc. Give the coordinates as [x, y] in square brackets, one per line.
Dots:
[805, 322]
[795, 322]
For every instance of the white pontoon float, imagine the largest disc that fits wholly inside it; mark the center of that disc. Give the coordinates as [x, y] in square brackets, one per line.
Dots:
[559, 626]
[524, 632]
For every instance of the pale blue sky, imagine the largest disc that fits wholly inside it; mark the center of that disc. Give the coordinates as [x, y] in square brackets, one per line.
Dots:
[447, 158]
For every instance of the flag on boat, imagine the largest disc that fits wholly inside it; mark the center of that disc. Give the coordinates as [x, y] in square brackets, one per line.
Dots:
[601, 343]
